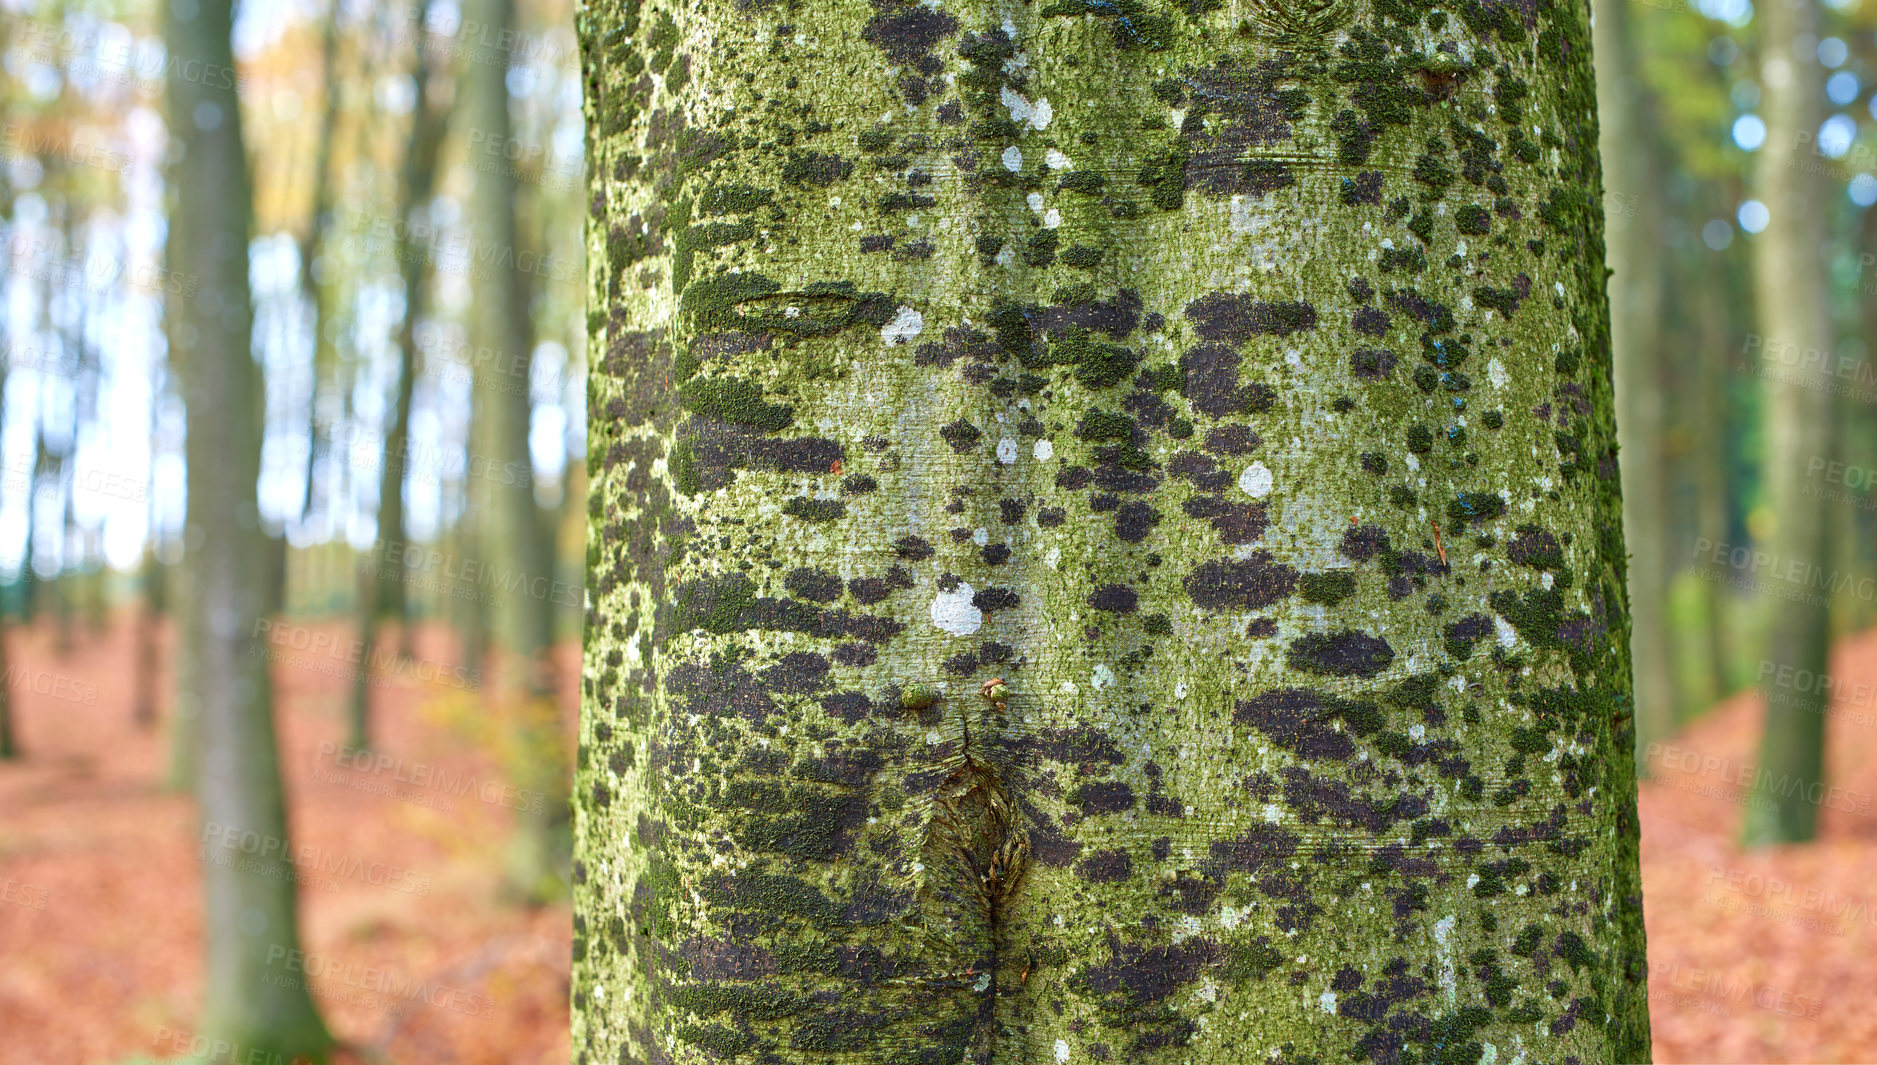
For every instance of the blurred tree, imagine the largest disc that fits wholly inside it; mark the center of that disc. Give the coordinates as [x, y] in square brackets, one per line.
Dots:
[501, 469]
[1105, 540]
[1633, 182]
[382, 588]
[317, 272]
[1795, 342]
[251, 999]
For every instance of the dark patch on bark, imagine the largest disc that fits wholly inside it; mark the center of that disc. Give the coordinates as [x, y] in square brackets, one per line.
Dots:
[815, 585]
[1232, 319]
[1105, 867]
[1341, 654]
[1232, 440]
[1115, 598]
[1254, 582]
[1236, 523]
[797, 673]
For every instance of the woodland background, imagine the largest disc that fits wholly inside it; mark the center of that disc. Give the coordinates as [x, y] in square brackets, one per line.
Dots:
[1760, 954]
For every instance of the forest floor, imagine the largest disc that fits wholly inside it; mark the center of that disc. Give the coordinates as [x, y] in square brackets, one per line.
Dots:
[1755, 957]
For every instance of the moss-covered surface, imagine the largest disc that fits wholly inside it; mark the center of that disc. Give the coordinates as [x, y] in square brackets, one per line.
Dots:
[1232, 381]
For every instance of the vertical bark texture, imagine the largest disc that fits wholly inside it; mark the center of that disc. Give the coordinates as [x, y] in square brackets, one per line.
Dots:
[251, 999]
[1105, 538]
[1633, 183]
[1789, 280]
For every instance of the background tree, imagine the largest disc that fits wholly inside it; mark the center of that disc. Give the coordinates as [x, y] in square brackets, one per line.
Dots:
[251, 999]
[1632, 182]
[1796, 337]
[501, 470]
[1104, 539]
[382, 592]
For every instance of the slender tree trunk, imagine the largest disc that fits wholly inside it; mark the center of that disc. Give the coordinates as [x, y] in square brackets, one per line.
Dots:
[1795, 341]
[255, 997]
[501, 469]
[1633, 186]
[318, 286]
[1107, 540]
[186, 703]
[151, 605]
[1714, 294]
[382, 591]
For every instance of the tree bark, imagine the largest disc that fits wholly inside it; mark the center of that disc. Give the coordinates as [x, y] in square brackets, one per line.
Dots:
[1633, 187]
[1795, 344]
[382, 592]
[255, 997]
[1105, 539]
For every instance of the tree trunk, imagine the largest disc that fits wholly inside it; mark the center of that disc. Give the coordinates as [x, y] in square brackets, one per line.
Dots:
[1633, 188]
[382, 592]
[315, 281]
[1105, 540]
[1713, 298]
[151, 607]
[501, 469]
[1795, 344]
[255, 996]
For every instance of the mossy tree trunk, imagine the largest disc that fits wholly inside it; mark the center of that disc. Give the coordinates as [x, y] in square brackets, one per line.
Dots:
[1634, 187]
[1105, 539]
[382, 593]
[1795, 341]
[252, 998]
[501, 468]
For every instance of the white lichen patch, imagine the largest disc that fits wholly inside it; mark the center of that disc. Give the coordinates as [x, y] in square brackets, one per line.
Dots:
[1055, 160]
[1024, 113]
[1062, 1050]
[1496, 373]
[1007, 451]
[1013, 157]
[1044, 451]
[953, 612]
[1101, 678]
[1507, 635]
[1327, 1002]
[1256, 481]
[1443, 950]
[906, 324]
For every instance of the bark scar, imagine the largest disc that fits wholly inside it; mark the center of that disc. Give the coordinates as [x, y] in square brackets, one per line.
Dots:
[975, 852]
